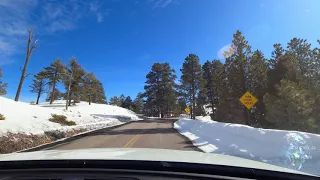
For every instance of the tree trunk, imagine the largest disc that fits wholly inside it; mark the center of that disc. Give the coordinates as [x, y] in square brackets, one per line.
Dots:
[53, 89]
[212, 106]
[28, 54]
[38, 97]
[193, 105]
[21, 79]
[245, 110]
[89, 99]
[70, 98]
[159, 112]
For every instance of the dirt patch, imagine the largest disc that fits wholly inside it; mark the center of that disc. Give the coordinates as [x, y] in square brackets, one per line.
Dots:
[17, 142]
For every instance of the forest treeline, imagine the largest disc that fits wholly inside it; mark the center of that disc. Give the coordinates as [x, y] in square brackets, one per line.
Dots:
[79, 84]
[287, 86]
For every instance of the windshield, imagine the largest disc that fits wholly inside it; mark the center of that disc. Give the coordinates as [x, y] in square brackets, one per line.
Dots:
[226, 77]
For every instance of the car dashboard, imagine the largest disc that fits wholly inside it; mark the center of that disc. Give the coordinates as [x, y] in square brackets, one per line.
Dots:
[131, 170]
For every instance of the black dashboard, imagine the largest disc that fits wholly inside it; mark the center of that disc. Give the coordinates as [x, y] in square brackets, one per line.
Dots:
[131, 170]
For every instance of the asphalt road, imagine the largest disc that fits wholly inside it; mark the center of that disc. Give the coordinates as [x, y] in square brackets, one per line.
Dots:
[154, 133]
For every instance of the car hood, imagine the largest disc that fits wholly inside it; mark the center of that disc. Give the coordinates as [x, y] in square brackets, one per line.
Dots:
[144, 154]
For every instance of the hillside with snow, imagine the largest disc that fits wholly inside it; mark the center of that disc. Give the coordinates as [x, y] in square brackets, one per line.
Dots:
[290, 149]
[34, 119]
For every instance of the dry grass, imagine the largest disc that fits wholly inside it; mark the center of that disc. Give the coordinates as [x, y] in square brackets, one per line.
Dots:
[61, 119]
[59, 135]
[2, 117]
[17, 142]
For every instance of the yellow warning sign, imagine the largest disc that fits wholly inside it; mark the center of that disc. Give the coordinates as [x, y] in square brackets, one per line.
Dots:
[187, 110]
[248, 100]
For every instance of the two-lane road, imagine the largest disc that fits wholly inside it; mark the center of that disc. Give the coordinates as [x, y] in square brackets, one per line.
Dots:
[155, 133]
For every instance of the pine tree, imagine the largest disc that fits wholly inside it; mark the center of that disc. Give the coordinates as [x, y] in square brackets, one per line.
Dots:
[54, 73]
[257, 84]
[293, 102]
[217, 91]
[209, 84]
[138, 103]
[3, 86]
[115, 101]
[289, 111]
[100, 95]
[276, 53]
[122, 98]
[58, 95]
[160, 89]
[90, 87]
[38, 85]
[74, 77]
[191, 80]
[128, 103]
[237, 74]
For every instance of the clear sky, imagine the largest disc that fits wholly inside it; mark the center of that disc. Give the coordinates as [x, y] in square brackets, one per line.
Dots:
[119, 40]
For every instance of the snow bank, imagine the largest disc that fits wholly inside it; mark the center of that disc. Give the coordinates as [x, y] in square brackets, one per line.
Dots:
[292, 149]
[34, 119]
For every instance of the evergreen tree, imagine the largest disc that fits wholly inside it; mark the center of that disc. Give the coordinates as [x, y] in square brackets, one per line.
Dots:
[258, 85]
[276, 53]
[217, 91]
[182, 104]
[160, 89]
[58, 95]
[54, 73]
[191, 80]
[115, 101]
[100, 95]
[138, 103]
[274, 75]
[122, 98]
[237, 74]
[90, 87]
[128, 103]
[289, 111]
[74, 77]
[293, 102]
[3, 86]
[38, 85]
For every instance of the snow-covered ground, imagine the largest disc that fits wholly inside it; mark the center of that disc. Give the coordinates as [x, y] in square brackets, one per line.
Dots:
[34, 119]
[292, 149]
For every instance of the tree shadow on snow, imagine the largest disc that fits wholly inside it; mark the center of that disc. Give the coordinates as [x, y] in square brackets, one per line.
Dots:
[119, 117]
[53, 105]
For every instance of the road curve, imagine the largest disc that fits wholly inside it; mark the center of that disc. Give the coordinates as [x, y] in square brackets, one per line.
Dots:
[154, 133]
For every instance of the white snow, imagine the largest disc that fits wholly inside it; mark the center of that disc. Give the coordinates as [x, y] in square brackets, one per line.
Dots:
[267, 145]
[34, 119]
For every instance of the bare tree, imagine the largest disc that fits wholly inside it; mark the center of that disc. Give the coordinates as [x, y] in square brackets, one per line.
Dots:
[30, 49]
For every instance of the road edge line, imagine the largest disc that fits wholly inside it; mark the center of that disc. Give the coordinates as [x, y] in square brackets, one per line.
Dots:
[72, 138]
[186, 138]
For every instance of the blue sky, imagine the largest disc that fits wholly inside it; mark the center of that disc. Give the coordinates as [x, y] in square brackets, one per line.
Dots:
[119, 40]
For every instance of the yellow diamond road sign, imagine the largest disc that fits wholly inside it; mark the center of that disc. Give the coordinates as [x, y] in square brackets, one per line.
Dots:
[248, 100]
[187, 110]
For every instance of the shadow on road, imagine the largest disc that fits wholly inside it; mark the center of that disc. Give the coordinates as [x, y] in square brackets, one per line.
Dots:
[136, 131]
